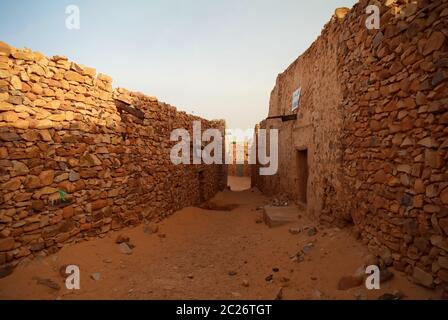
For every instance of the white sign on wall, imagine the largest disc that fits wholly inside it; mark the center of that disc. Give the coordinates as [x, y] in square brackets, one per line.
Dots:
[295, 99]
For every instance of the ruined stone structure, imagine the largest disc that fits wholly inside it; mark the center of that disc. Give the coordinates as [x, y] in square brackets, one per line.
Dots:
[73, 166]
[369, 145]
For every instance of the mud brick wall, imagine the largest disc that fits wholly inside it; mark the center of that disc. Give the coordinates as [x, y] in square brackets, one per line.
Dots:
[72, 166]
[390, 177]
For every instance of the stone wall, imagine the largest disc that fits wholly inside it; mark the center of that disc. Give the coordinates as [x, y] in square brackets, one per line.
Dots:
[318, 124]
[72, 166]
[385, 153]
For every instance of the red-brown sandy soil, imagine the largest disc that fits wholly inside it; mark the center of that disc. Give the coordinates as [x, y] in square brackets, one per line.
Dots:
[207, 254]
[238, 183]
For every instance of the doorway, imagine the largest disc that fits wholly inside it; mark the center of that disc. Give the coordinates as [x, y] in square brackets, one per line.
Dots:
[302, 175]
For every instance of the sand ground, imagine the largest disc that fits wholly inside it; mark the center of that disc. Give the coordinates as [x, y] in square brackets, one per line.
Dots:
[209, 254]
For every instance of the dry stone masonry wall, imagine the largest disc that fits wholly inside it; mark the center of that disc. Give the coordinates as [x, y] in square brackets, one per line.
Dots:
[395, 134]
[389, 175]
[72, 166]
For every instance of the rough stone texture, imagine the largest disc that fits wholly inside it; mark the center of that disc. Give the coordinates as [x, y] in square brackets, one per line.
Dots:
[73, 167]
[373, 116]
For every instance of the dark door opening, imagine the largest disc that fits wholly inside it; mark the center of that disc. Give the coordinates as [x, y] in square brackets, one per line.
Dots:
[302, 174]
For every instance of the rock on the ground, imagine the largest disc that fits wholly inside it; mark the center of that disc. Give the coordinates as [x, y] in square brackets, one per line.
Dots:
[307, 248]
[122, 238]
[269, 278]
[295, 230]
[95, 276]
[6, 270]
[360, 296]
[422, 277]
[279, 295]
[317, 294]
[62, 271]
[49, 283]
[370, 260]
[349, 282]
[312, 231]
[124, 248]
[150, 228]
[397, 295]
[299, 257]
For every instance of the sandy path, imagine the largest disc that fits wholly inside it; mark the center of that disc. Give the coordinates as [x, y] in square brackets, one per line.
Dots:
[205, 254]
[238, 183]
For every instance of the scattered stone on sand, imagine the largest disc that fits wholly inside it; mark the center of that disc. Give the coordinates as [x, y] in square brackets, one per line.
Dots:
[385, 259]
[162, 235]
[299, 257]
[295, 230]
[396, 295]
[245, 283]
[317, 294]
[235, 294]
[269, 278]
[275, 269]
[49, 283]
[360, 296]
[107, 260]
[422, 277]
[259, 220]
[62, 271]
[370, 260]
[122, 238]
[279, 295]
[280, 201]
[190, 276]
[232, 273]
[150, 228]
[95, 276]
[308, 247]
[349, 282]
[312, 231]
[6, 270]
[124, 248]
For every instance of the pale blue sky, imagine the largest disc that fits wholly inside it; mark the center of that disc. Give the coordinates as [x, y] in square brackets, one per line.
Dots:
[216, 58]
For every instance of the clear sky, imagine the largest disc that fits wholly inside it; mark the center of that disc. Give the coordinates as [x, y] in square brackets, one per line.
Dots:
[215, 58]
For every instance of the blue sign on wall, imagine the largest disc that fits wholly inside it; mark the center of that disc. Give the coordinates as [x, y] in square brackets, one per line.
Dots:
[295, 99]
